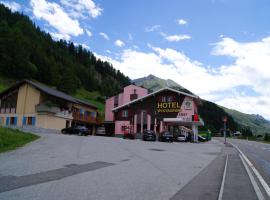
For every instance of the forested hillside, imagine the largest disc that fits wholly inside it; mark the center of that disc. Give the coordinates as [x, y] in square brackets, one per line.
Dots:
[28, 52]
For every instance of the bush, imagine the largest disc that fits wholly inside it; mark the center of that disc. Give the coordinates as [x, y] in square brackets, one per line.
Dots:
[266, 137]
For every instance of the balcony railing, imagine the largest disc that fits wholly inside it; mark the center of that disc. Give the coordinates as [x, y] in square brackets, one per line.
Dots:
[84, 118]
[40, 108]
[8, 110]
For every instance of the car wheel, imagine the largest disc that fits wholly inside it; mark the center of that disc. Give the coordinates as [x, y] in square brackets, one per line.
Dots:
[79, 133]
[64, 132]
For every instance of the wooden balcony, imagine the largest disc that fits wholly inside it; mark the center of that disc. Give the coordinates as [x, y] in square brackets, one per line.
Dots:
[84, 118]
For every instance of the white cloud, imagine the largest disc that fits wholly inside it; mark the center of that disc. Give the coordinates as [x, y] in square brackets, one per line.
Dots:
[181, 21]
[82, 8]
[104, 35]
[85, 46]
[12, 5]
[54, 14]
[177, 38]
[251, 69]
[119, 43]
[152, 28]
[88, 33]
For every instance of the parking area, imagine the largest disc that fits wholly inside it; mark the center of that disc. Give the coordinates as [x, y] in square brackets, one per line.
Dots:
[93, 167]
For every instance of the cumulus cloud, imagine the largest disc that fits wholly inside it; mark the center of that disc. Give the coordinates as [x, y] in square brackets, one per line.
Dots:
[82, 8]
[104, 35]
[152, 28]
[13, 6]
[119, 43]
[181, 21]
[54, 14]
[240, 85]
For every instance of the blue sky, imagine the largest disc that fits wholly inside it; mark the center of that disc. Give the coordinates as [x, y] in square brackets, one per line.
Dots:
[219, 49]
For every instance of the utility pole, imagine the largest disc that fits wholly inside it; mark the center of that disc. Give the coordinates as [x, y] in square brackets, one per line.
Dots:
[224, 132]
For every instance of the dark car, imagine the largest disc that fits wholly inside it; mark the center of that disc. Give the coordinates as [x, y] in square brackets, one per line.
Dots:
[149, 135]
[166, 136]
[76, 130]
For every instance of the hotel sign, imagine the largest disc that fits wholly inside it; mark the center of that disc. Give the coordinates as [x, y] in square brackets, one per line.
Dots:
[168, 107]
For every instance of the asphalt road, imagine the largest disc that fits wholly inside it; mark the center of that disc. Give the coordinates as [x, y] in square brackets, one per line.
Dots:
[258, 153]
[207, 185]
[82, 168]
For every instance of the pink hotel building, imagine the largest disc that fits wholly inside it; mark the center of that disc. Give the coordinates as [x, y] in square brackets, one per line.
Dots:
[135, 110]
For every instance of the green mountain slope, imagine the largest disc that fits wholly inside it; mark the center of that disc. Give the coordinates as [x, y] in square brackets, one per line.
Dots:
[212, 113]
[28, 52]
[257, 123]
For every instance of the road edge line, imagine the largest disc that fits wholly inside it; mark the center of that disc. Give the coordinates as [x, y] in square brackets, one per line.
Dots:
[252, 179]
[220, 195]
[258, 175]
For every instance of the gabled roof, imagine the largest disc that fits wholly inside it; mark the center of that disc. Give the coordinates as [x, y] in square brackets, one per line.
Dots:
[154, 93]
[50, 91]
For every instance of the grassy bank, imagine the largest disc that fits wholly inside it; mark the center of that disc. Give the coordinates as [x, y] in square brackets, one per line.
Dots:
[11, 139]
[93, 97]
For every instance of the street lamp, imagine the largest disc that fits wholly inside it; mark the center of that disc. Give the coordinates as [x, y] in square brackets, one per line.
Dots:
[224, 132]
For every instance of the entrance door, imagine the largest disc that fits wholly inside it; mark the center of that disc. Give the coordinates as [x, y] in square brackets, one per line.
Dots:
[67, 123]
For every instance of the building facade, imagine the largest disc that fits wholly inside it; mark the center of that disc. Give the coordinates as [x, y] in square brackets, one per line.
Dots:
[32, 104]
[165, 109]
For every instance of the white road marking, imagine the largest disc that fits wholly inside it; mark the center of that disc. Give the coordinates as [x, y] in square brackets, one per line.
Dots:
[223, 180]
[253, 182]
[255, 171]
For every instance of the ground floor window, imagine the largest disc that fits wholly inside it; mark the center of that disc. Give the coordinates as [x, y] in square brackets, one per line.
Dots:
[30, 121]
[2, 119]
[13, 120]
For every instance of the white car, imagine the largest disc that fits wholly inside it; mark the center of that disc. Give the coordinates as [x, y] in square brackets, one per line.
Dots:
[101, 131]
[181, 138]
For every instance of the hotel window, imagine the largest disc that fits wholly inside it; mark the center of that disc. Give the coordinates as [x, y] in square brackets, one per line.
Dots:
[125, 113]
[163, 99]
[169, 99]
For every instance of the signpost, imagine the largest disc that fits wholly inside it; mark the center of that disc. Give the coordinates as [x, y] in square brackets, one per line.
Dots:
[224, 132]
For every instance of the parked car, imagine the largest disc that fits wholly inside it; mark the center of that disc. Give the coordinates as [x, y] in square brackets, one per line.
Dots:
[166, 136]
[76, 130]
[101, 131]
[149, 135]
[181, 138]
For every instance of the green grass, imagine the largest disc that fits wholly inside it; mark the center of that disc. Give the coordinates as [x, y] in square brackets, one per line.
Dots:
[94, 98]
[11, 139]
[5, 83]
